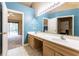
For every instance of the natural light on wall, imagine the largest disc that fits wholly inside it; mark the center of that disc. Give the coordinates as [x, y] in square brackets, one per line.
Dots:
[47, 6]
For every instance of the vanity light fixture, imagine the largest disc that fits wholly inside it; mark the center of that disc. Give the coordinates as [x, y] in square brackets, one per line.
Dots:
[52, 5]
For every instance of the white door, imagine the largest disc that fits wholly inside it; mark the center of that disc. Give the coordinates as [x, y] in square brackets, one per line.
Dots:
[52, 25]
[4, 29]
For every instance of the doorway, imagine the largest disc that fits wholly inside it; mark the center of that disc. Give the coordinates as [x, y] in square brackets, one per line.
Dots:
[65, 25]
[15, 37]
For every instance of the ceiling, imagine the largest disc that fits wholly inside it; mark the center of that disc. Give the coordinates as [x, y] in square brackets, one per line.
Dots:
[14, 16]
[29, 4]
[41, 7]
[66, 6]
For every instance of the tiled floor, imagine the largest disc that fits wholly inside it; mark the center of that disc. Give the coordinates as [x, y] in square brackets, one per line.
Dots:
[32, 52]
[23, 51]
[20, 51]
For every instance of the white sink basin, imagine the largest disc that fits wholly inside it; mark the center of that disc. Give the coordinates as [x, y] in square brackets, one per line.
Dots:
[71, 41]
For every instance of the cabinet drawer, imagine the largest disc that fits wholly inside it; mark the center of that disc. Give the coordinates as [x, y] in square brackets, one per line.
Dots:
[47, 51]
[61, 49]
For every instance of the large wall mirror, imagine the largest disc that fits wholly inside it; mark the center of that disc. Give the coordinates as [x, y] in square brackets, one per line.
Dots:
[60, 25]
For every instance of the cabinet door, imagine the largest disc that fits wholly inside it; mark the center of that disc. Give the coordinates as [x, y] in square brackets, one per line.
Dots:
[57, 54]
[37, 43]
[52, 25]
[30, 40]
[47, 51]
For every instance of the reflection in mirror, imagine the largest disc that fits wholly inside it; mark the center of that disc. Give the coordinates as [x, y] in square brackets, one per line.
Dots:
[59, 25]
[45, 25]
[65, 25]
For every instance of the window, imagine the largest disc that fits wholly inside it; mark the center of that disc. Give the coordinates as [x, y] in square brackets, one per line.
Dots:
[13, 28]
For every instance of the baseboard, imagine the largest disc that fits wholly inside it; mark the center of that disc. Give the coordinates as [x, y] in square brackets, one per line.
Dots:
[26, 44]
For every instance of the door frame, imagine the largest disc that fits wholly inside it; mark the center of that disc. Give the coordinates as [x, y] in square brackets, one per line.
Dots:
[22, 22]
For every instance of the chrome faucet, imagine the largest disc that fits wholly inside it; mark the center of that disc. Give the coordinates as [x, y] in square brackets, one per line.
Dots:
[35, 32]
[62, 37]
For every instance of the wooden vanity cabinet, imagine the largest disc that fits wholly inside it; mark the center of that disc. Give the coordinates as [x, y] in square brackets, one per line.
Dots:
[48, 51]
[35, 42]
[58, 54]
[50, 48]
[31, 41]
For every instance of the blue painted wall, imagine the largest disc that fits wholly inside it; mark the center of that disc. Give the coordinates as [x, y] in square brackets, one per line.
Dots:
[74, 12]
[29, 20]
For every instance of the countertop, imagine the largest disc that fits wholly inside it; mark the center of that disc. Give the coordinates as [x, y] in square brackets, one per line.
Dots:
[70, 43]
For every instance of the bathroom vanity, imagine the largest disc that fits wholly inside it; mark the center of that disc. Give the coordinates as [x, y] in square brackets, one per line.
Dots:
[53, 44]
